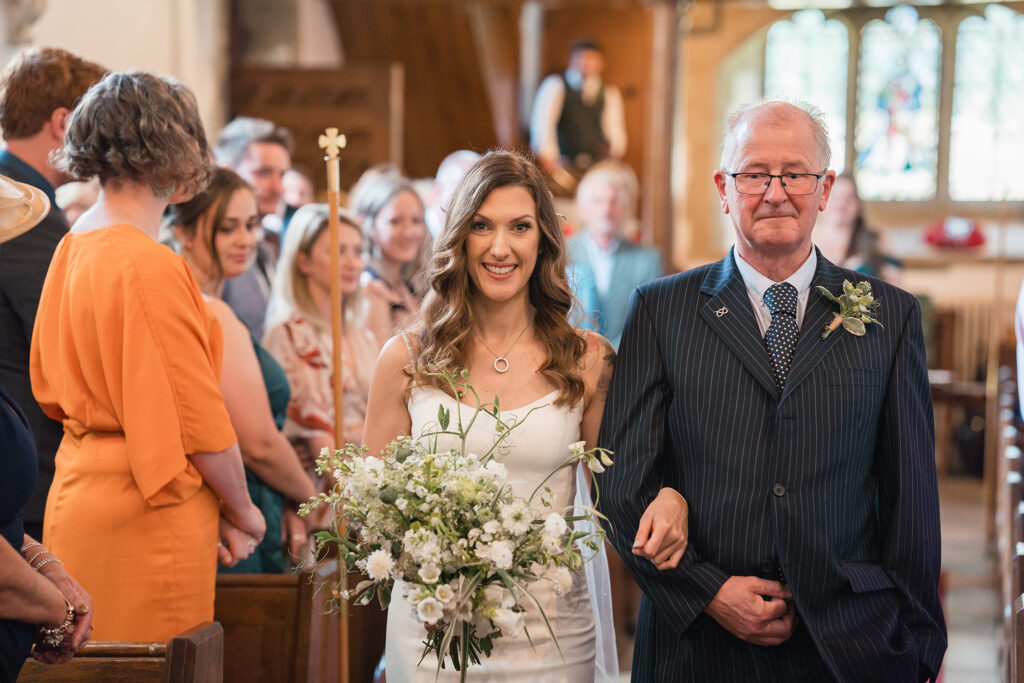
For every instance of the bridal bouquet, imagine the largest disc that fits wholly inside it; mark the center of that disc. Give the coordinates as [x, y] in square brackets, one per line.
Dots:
[447, 523]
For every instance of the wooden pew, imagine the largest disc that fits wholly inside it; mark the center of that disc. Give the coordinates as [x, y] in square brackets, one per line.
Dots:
[1017, 652]
[195, 656]
[275, 629]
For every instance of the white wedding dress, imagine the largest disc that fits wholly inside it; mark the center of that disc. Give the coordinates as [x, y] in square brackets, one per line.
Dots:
[531, 453]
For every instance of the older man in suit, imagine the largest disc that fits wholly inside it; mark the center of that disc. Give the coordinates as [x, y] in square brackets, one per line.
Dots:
[807, 462]
[605, 265]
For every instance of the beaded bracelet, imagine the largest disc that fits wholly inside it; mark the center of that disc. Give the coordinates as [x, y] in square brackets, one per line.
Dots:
[52, 558]
[33, 544]
[53, 637]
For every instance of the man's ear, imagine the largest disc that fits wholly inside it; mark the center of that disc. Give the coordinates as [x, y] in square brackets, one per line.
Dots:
[720, 179]
[829, 179]
[59, 122]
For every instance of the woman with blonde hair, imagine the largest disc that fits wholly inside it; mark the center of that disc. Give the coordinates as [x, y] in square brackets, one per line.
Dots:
[392, 215]
[299, 331]
[217, 234]
[127, 355]
[498, 306]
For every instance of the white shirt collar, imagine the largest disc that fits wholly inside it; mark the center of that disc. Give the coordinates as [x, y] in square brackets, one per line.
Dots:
[757, 284]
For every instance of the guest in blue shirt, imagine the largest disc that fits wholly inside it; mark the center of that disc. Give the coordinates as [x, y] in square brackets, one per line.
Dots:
[605, 265]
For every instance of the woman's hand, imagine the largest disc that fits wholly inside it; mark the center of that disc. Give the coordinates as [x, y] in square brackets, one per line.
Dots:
[79, 599]
[235, 544]
[661, 537]
[249, 519]
[296, 536]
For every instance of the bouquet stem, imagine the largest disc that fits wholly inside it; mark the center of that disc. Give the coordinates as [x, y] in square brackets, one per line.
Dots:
[464, 652]
[832, 326]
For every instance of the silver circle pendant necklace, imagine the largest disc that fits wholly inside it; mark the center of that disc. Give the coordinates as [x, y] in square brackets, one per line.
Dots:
[501, 362]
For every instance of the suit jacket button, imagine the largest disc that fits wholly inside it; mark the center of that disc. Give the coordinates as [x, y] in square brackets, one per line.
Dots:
[779, 490]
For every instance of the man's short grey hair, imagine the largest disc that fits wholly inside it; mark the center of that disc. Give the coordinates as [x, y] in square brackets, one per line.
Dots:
[234, 139]
[814, 114]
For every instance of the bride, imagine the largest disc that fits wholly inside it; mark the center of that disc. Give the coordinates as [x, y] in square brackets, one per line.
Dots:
[498, 306]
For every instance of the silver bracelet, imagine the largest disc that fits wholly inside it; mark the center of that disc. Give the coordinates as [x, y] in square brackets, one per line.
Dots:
[30, 560]
[52, 558]
[33, 544]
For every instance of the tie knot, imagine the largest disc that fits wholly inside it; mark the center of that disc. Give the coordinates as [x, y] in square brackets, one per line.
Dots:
[781, 298]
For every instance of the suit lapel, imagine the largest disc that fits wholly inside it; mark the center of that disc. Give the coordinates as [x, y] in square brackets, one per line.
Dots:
[810, 347]
[728, 312]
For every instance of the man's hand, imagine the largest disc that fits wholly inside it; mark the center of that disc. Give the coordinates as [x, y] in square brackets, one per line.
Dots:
[235, 545]
[661, 535]
[742, 609]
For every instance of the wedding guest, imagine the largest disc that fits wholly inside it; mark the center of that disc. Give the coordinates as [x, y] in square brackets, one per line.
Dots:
[126, 354]
[498, 305]
[844, 237]
[217, 233]
[38, 89]
[298, 191]
[76, 197]
[260, 152]
[37, 596]
[601, 253]
[392, 216]
[448, 175]
[299, 331]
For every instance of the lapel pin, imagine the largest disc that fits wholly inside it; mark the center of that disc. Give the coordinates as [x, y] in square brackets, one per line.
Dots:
[721, 311]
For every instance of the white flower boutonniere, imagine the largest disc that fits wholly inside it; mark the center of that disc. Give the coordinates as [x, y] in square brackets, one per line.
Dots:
[857, 306]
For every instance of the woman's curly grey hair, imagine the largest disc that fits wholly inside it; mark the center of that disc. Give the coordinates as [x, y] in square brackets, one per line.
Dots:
[141, 127]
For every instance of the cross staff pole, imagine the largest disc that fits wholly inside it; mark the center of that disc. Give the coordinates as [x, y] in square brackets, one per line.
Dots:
[332, 143]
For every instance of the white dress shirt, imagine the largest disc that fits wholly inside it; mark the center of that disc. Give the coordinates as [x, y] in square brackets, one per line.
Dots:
[547, 110]
[602, 260]
[757, 284]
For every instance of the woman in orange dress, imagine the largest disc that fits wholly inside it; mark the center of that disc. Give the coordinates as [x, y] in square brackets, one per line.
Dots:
[126, 354]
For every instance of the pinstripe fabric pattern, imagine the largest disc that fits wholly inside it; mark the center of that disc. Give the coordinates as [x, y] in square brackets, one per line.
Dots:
[776, 480]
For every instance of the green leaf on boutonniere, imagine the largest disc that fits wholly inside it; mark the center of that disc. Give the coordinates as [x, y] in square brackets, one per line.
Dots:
[857, 306]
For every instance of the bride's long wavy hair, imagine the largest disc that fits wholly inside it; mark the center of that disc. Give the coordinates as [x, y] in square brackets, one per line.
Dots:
[445, 338]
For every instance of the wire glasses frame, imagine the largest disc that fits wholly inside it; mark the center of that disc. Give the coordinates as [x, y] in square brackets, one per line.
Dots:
[792, 183]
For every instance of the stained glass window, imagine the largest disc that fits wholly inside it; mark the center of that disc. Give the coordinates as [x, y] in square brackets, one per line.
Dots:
[806, 58]
[897, 107]
[986, 149]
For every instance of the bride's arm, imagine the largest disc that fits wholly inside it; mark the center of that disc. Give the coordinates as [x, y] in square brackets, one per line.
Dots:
[662, 533]
[387, 415]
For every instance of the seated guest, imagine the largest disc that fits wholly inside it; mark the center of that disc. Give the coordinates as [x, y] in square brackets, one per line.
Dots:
[127, 355]
[216, 233]
[845, 239]
[35, 591]
[449, 173]
[392, 216]
[261, 153]
[299, 331]
[606, 266]
[76, 197]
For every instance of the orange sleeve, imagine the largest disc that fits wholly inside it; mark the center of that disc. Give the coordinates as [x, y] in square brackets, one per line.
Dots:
[170, 405]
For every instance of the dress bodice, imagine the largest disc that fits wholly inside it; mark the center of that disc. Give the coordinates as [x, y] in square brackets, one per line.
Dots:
[531, 452]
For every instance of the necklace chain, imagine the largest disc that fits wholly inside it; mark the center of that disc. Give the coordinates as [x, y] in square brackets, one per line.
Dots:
[501, 362]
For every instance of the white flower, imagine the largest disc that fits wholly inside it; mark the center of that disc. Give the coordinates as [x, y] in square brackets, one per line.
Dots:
[492, 527]
[561, 578]
[401, 504]
[499, 596]
[511, 623]
[578, 449]
[416, 597]
[554, 524]
[430, 611]
[379, 565]
[429, 573]
[501, 554]
[444, 593]
[496, 469]
[595, 465]
[552, 545]
[516, 517]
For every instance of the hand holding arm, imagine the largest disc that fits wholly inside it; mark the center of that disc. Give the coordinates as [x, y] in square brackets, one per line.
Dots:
[224, 473]
[661, 537]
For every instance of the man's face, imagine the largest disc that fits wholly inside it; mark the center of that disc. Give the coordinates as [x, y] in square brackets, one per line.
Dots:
[263, 167]
[603, 208]
[773, 225]
[589, 63]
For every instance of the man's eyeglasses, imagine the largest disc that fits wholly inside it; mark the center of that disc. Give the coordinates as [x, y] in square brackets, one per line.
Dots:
[792, 183]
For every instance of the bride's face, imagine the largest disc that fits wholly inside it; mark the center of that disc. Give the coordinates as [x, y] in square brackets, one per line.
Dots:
[502, 245]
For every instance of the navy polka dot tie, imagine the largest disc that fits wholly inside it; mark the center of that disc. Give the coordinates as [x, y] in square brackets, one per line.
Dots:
[780, 339]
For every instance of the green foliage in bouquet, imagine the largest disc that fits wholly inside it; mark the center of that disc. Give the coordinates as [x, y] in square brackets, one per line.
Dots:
[448, 524]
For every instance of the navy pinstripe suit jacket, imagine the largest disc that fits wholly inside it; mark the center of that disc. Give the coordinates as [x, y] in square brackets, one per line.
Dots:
[833, 481]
